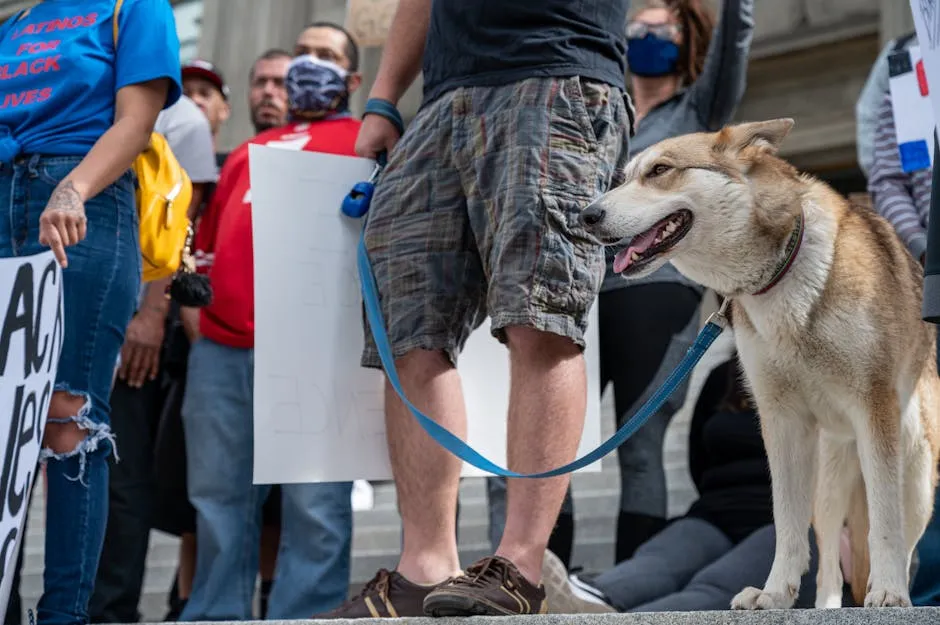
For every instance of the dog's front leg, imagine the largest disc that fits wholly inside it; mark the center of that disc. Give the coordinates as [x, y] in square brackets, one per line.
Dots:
[837, 476]
[790, 439]
[879, 451]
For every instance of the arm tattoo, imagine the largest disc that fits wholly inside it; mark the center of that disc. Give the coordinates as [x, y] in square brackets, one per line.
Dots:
[66, 198]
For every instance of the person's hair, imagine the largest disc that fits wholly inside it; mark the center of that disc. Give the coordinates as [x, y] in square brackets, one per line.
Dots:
[697, 21]
[352, 48]
[273, 53]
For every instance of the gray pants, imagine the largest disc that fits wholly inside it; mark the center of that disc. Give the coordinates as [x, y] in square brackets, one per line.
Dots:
[691, 565]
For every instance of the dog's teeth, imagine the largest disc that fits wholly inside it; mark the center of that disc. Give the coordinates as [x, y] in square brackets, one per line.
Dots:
[671, 227]
[658, 240]
[635, 257]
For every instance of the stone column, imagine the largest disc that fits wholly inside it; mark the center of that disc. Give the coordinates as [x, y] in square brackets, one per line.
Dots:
[236, 32]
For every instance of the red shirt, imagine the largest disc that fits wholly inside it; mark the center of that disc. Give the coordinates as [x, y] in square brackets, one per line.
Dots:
[223, 245]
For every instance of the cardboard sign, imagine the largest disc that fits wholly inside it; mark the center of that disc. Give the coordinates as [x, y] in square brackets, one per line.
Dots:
[30, 343]
[369, 20]
[913, 113]
[926, 15]
[318, 414]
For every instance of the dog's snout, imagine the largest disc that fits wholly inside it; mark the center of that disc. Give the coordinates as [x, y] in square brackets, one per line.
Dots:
[593, 215]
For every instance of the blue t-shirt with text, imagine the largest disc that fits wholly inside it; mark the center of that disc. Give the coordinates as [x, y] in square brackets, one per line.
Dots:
[59, 73]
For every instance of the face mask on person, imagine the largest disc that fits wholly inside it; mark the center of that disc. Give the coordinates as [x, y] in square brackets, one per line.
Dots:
[316, 88]
[651, 52]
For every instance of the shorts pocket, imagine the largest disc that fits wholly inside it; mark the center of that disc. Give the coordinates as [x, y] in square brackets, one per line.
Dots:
[570, 266]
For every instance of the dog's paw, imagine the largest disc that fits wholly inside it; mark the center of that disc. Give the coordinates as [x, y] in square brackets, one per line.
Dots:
[884, 598]
[757, 599]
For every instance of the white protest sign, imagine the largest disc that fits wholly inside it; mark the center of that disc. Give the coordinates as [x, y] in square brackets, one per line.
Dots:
[913, 113]
[32, 315]
[318, 413]
[926, 15]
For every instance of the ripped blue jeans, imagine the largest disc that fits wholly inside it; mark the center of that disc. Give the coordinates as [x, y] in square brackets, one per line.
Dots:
[100, 290]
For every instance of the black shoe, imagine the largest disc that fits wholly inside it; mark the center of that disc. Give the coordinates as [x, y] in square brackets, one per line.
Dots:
[176, 610]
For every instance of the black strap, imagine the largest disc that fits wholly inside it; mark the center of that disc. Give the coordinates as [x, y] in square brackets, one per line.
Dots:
[901, 42]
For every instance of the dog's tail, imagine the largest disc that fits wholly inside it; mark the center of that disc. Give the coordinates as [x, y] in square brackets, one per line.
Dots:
[857, 522]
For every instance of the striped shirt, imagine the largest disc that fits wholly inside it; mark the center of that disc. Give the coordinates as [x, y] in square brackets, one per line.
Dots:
[901, 198]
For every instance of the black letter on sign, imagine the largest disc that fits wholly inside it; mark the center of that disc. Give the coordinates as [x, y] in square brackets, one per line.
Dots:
[4, 551]
[6, 478]
[12, 322]
[38, 357]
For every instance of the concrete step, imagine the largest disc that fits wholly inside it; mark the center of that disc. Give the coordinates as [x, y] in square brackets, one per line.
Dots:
[847, 616]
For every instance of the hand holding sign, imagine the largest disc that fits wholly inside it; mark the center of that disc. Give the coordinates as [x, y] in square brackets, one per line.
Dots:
[63, 223]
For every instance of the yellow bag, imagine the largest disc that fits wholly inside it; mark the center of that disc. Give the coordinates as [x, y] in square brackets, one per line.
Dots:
[164, 192]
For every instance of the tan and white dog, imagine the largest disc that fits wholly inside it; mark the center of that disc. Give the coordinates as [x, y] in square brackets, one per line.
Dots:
[826, 305]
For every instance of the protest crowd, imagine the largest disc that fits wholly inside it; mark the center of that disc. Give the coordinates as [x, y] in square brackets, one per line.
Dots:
[529, 112]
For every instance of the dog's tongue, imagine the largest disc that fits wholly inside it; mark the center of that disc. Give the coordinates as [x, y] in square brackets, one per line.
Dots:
[639, 244]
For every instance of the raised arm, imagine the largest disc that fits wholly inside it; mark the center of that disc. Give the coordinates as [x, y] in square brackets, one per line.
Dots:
[720, 87]
[401, 62]
[867, 107]
[890, 186]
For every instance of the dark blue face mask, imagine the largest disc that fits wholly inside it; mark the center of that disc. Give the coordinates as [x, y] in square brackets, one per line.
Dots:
[650, 56]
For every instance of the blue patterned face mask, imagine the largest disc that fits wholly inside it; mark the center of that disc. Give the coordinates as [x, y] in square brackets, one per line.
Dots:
[316, 88]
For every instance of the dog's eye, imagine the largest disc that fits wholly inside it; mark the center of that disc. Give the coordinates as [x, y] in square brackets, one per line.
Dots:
[658, 170]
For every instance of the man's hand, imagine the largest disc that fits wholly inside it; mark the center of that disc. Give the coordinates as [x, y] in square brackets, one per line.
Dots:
[140, 354]
[376, 135]
[190, 320]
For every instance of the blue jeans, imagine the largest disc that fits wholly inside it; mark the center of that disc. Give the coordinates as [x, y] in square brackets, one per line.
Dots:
[100, 290]
[313, 562]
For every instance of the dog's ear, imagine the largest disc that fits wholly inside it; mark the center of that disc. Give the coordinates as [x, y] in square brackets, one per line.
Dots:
[766, 136]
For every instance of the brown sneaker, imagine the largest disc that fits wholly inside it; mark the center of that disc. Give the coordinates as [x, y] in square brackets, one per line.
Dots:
[387, 595]
[491, 587]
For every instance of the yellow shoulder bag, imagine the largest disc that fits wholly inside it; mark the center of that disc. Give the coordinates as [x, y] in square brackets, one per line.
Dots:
[164, 192]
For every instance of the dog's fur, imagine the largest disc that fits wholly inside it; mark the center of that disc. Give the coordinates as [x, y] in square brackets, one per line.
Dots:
[840, 364]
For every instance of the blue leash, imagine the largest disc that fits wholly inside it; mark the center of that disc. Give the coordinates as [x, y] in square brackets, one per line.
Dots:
[370, 297]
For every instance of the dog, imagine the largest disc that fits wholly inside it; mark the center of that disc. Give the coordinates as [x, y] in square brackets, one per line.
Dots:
[825, 302]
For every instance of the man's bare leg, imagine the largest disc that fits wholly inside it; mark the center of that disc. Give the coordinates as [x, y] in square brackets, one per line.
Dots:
[427, 476]
[547, 404]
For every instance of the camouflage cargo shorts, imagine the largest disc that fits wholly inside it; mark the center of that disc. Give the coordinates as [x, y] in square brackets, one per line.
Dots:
[476, 213]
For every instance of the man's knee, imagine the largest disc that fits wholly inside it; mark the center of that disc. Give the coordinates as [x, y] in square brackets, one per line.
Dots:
[420, 366]
[546, 347]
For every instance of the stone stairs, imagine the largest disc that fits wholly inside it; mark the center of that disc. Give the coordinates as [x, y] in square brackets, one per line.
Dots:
[377, 531]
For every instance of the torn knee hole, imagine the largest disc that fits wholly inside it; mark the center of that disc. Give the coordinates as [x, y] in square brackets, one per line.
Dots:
[70, 431]
[68, 423]
[61, 438]
[66, 404]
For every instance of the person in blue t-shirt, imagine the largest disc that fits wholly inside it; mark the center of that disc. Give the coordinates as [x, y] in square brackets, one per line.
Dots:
[76, 108]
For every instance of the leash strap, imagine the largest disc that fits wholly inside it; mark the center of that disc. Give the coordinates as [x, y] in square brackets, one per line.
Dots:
[370, 297]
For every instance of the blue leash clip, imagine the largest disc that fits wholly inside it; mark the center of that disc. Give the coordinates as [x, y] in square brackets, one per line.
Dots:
[357, 201]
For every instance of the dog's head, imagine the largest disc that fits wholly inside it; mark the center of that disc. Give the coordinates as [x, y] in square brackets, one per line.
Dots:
[694, 200]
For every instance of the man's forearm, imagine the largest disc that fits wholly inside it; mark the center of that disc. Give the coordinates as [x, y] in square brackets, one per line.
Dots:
[155, 299]
[404, 49]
